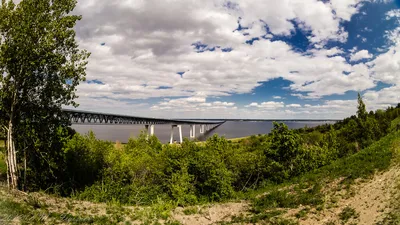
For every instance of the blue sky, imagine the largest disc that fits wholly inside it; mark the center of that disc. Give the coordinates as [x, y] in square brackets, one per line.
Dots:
[239, 59]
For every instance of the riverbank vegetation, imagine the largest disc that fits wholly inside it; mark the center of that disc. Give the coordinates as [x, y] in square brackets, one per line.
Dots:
[285, 177]
[145, 172]
[51, 174]
[217, 170]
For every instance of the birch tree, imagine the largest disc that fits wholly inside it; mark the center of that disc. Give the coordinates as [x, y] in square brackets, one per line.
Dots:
[40, 66]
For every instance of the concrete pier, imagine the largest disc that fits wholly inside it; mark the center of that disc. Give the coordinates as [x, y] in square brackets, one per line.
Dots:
[202, 129]
[192, 131]
[149, 129]
[172, 133]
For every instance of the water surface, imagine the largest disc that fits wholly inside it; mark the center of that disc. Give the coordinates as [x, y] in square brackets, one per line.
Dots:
[230, 129]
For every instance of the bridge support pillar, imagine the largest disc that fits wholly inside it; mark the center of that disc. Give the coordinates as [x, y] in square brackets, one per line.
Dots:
[149, 132]
[146, 128]
[202, 129]
[172, 133]
[192, 131]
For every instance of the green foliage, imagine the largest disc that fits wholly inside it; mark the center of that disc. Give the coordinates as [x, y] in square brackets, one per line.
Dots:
[160, 210]
[306, 190]
[361, 111]
[34, 202]
[85, 157]
[311, 196]
[33, 212]
[3, 166]
[392, 217]
[191, 210]
[130, 175]
[41, 66]
[267, 217]
[144, 169]
[40, 57]
[348, 213]
[395, 124]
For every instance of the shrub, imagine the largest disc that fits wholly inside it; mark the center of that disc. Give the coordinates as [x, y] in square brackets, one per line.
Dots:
[85, 159]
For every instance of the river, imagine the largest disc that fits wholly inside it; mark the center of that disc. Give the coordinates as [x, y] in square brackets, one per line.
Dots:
[230, 129]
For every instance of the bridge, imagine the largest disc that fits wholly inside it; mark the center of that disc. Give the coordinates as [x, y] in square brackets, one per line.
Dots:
[87, 117]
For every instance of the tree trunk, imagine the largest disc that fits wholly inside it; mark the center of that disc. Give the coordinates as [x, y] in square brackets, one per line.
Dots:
[11, 158]
[25, 169]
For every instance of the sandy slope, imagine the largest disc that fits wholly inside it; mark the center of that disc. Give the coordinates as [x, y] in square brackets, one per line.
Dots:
[369, 198]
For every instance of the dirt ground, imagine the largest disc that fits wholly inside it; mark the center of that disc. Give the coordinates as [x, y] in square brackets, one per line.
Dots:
[370, 200]
[211, 214]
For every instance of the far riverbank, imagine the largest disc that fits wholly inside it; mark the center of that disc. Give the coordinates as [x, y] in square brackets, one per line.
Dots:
[230, 130]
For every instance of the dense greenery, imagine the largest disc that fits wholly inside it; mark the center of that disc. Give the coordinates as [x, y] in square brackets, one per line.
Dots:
[41, 65]
[306, 193]
[49, 156]
[40, 68]
[144, 170]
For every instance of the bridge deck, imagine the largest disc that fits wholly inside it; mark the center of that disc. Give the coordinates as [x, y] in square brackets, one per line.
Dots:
[81, 117]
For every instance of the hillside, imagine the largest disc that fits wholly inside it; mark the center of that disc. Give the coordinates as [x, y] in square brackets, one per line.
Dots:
[360, 189]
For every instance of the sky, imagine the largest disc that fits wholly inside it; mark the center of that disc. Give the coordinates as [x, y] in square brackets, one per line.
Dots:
[261, 59]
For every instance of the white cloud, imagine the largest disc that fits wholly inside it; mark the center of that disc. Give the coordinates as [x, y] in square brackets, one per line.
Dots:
[148, 42]
[395, 13]
[332, 109]
[345, 9]
[313, 15]
[329, 52]
[195, 106]
[363, 54]
[293, 106]
[386, 67]
[382, 98]
[267, 105]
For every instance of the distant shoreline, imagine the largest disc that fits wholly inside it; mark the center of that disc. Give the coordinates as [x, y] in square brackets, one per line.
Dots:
[271, 120]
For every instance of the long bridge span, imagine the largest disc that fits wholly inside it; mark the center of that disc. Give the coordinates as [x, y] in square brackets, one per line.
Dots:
[87, 117]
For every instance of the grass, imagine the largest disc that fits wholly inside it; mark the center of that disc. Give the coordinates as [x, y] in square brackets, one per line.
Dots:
[3, 166]
[307, 191]
[16, 208]
[347, 214]
[237, 139]
[191, 210]
[394, 124]
[393, 216]
[267, 205]
[25, 213]
[269, 217]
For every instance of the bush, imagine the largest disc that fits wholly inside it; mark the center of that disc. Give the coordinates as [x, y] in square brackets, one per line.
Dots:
[85, 160]
[144, 170]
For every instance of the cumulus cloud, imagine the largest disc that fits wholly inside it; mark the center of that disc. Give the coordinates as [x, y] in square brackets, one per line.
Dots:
[267, 105]
[334, 109]
[293, 106]
[395, 13]
[363, 54]
[345, 9]
[147, 43]
[386, 67]
[189, 52]
[195, 106]
[383, 98]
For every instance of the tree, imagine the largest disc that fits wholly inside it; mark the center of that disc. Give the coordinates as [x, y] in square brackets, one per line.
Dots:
[361, 111]
[285, 146]
[40, 67]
